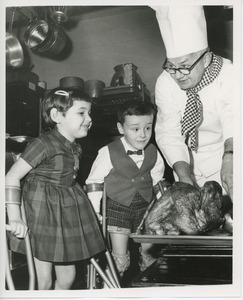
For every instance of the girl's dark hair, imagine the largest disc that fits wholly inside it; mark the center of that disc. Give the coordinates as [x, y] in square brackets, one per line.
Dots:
[57, 98]
[135, 108]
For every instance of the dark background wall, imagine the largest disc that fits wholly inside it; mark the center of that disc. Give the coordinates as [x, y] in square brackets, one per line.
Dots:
[98, 40]
[102, 39]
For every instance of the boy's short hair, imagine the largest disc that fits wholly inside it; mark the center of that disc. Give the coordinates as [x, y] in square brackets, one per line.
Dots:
[135, 108]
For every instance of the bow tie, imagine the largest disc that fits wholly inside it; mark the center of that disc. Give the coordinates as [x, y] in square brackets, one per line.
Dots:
[138, 152]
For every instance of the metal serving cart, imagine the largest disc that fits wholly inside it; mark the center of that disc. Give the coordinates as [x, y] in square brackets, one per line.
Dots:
[188, 260]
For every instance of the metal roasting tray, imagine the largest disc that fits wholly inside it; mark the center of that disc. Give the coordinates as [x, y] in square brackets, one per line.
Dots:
[214, 238]
[203, 240]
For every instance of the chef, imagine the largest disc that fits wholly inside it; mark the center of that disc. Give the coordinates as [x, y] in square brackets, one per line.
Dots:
[194, 96]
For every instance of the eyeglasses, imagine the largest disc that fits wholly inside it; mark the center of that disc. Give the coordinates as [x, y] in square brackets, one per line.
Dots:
[184, 71]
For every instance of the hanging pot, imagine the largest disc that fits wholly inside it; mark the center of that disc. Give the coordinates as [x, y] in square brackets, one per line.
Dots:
[14, 51]
[45, 37]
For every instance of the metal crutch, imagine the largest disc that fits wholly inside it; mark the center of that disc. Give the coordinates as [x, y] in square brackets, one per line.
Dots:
[111, 268]
[94, 267]
[162, 189]
[29, 257]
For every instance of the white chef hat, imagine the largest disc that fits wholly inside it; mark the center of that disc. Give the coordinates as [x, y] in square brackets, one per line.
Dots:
[183, 29]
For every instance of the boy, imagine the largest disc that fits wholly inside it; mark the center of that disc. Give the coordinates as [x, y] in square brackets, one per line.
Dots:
[130, 166]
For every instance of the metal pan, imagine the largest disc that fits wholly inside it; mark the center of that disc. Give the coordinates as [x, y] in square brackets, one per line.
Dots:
[203, 240]
[14, 51]
[45, 37]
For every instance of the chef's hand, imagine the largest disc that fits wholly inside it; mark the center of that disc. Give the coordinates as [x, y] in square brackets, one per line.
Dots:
[228, 224]
[182, 170]
[187, 179]
[18, 228]
[227, 174]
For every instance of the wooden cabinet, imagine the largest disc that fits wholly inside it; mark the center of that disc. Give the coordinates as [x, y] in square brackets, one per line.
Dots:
[105, 108]
[23, 108]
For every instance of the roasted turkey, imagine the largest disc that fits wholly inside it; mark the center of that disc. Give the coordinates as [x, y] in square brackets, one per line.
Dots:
[185, 210]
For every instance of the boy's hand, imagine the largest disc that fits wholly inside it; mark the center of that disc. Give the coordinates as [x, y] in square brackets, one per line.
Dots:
[18, 228]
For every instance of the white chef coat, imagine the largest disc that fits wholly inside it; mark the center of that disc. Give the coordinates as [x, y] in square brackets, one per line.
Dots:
[217, 125]
[102, 167]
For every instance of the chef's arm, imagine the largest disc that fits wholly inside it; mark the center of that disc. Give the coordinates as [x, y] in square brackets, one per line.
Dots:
[227, 167]
[182, 170]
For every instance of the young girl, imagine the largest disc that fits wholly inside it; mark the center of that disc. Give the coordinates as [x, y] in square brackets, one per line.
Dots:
[62, 224]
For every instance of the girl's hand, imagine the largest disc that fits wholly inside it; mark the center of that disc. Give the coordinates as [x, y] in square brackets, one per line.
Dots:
[18, 228]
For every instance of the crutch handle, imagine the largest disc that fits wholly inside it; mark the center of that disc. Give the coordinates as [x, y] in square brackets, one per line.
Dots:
[29, 257]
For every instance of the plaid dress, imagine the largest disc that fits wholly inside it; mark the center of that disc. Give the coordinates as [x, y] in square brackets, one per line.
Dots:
[62, 222]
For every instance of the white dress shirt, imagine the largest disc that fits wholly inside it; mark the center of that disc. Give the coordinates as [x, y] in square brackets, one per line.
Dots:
[217, 125]
[102, 167]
